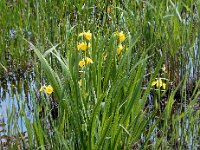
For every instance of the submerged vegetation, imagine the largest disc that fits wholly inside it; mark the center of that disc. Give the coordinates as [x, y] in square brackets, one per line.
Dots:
[119, 74]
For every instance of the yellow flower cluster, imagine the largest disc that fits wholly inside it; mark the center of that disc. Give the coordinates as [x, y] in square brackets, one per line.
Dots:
[159, 83]
[48, 89]
[121, 37]
[84, 46]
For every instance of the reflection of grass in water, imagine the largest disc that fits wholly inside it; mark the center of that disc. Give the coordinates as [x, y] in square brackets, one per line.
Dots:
[15, 101]
[105, 111]
[12, 132]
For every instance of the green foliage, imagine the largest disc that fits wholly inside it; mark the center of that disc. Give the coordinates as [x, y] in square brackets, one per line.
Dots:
[104, 105]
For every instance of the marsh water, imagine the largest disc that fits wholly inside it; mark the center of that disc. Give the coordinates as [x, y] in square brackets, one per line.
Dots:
[15, 98]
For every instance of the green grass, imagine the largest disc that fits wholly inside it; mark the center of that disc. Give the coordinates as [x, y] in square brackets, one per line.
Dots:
[108, 110]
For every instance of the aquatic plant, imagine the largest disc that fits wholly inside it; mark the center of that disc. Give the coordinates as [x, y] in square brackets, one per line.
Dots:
[109, 91]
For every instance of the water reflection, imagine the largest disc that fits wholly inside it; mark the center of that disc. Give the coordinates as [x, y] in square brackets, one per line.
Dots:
[15, 99]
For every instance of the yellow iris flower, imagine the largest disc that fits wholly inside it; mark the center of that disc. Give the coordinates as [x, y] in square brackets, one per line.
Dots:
[159, 83]
[82, 46]
[88, 60]
[86, 35]
[48, 89]
[81, 63]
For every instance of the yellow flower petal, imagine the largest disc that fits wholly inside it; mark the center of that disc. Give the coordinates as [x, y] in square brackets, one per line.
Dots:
[49, 89]
[81, 63]
[153, 83]
[87, 35]
[164, 86]
[82, 46]
[159, 83]
[42, 88]
[119, 49]
[88, 60]
[121, 36]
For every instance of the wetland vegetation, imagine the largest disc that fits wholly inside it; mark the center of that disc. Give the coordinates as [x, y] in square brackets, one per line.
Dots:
[87, 74]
